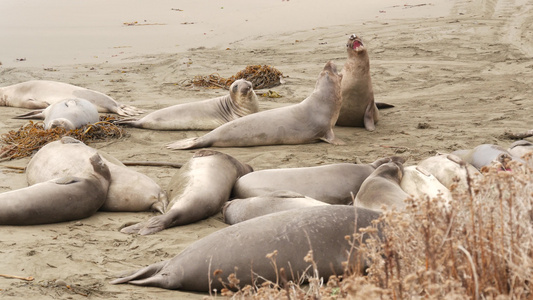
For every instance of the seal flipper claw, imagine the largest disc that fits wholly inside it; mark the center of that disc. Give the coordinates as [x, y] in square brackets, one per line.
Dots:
[189, 143]
[132, 229]
[143, 273]
[34, 114]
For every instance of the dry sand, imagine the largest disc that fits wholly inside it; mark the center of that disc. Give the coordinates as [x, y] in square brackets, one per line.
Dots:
[456, 80]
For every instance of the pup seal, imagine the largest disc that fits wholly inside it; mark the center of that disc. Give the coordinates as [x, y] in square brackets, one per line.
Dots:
[309, 121]
[419, 183]
[449, 169]
[129, 190]
[239, 210]
[37, 94]
[58, 200]
[382, 187]
[483, 155]
[358, 108]
[202, 115]
[243, 247]
[69, 114]
[197, 191]
[333, 184]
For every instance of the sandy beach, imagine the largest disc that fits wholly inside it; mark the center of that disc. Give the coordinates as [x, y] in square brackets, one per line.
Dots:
[459, 74]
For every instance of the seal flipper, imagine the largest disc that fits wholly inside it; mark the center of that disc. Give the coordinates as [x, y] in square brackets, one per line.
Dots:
[189, 143]
[143, 273]
[369, 121]
[332, 139]
[133, 122]
[132, 228]
[34, 114]
[381, 105]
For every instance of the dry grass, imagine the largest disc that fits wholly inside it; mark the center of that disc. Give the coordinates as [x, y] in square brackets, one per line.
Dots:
[479, 247]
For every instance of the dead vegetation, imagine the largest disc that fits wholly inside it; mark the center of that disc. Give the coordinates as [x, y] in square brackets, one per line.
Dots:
[261, 77]
[479, 246]
[32, 136]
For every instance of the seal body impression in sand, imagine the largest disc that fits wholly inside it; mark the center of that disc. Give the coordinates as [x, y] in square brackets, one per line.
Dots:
[244, 247]
[202, 115]
[129, 190]
[36, 94]
[306, 122]
[69, 114]
[198, 190]
[358, 107]
[58, 200]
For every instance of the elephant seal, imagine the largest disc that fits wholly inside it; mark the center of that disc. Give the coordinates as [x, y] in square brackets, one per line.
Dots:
[483, 155]
[243, 248]
[521, 148]
[239, 210]
[419, 183]
[358, 107]
[382, 187]
[306, 122]
[129, 190]
[450, 170]
[197, 191]
[333, 184]
[69, 114]
[37, 94]
[58, 200]
[202, 115]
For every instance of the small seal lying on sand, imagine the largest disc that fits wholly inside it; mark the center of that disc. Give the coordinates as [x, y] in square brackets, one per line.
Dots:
[483, 155]
[69, 114]
[58, 200]
[242, 248]
[202, 115]
[129, 190]
[419, 183]
[197, 191]
[333, 184]
[306, 122]
[521, 148]
[448, 168]
[239, 210]
[36, 94]
[358, 108]
[382, 187]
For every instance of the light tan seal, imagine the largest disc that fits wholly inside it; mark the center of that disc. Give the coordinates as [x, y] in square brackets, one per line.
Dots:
[197, 191]
[202, 115]
[37, 94]
[243, 248]
[521, 149]
[358, 107]
[419, 183]
[333, 184]
[484, 154]
[450, 170]
[58, 200]
[308, 121]
[69, 114]
[239, 210]
[382, 187]
[129, 190]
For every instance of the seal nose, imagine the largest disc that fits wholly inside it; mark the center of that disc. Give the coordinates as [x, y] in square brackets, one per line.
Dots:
[353, 37]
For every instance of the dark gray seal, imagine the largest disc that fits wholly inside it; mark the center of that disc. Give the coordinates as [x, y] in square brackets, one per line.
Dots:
[243, 247]
[197, 191]
[58, 200]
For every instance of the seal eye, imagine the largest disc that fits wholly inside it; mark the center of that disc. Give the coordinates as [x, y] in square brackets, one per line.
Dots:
[235, 88]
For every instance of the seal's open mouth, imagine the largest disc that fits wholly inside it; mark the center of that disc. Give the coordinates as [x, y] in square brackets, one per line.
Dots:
[356, 44]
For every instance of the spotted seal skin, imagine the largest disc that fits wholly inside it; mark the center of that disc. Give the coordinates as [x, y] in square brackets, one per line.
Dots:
[202, 115]
[58, 200]
[358, 107]
[244, 246]
[197, 191]
[35, 94]
[308, 121]
[129, 190]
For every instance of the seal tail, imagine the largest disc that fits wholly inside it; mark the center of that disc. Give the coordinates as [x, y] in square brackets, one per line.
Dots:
[34, 114]
[139, 275]
[381, 105]
[190, 143]
[133, 122]
[128, 110]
